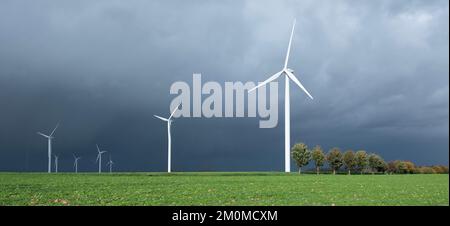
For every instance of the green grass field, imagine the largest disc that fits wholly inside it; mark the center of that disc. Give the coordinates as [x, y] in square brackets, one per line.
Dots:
[221, 189]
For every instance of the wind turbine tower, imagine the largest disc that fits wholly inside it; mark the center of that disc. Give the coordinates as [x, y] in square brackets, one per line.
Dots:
[75, 164]
[110, 163]
[49, 138]
[287, 106]
[56, 163]
[169, 144]
[99, 159]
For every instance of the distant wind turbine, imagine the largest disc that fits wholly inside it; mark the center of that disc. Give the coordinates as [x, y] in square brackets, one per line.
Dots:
[110, 163]
[49, 137]
[169, 144]
[56, 163]
[287, 119]
[99, 159]
[75, 164]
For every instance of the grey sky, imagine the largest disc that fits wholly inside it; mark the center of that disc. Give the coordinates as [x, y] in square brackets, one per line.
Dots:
[378, 71]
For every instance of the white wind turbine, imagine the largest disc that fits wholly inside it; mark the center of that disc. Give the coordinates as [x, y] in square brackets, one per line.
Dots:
[110, 163]
[99, 159]
[169, 144]
[56, 163]
[49, 137]
[288, 75]
[75, 164]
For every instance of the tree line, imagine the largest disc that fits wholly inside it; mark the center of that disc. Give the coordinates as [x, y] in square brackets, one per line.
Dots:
[359, 161]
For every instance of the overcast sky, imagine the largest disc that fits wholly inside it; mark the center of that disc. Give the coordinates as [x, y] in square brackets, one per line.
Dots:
[378, 70]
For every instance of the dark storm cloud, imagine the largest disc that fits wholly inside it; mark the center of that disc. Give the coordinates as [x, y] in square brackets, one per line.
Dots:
[378, 71]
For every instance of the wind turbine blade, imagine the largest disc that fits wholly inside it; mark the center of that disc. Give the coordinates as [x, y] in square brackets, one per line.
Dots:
[289, 47]
[43, 134]
[273, 77]
[98, 149]
[98, 156]
[164, 119]
[102, 152]
[173, 112]
[293, 78]
[54, 129]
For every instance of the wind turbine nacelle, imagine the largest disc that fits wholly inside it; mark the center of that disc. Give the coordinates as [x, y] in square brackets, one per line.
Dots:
[290, 70]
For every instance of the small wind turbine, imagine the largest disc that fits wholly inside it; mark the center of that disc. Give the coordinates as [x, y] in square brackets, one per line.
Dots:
[287, 118]
[75, 164]
[49, 137]
[169, 144]
[110, 163]
[99, 159]
[56, 163]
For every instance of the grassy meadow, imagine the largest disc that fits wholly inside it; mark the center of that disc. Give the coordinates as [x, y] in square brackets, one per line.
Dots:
[222, 189]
